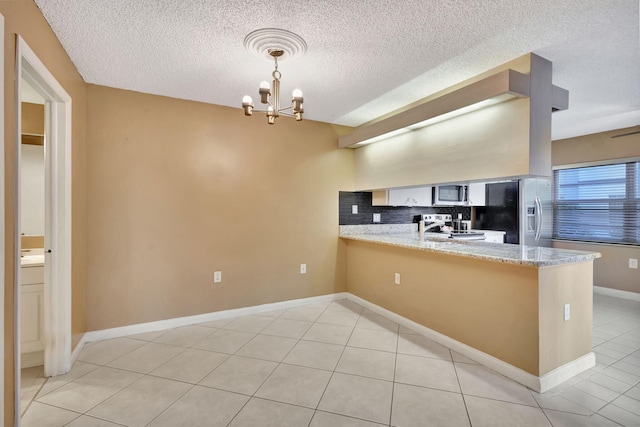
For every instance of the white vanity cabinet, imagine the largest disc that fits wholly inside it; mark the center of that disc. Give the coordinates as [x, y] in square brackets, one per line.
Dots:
[31, 315]
[477, 193]
[410, 196]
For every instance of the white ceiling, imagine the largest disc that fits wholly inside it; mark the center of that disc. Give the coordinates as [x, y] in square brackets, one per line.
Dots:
[365, 58]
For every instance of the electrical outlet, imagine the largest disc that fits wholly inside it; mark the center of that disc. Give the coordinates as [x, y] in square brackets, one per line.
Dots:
[567, 311]
[376, 217]
[354, 209]
[633, 262]
[217, 276]
[397, 279]
[303, 268]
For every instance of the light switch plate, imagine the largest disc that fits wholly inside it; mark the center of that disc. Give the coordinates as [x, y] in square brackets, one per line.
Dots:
[354, 209]
[217, 276]
[567, 311]
[633, 262]
[376, 217]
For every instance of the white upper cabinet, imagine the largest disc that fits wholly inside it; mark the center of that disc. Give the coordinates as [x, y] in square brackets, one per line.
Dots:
[410, 196]
[477, 193]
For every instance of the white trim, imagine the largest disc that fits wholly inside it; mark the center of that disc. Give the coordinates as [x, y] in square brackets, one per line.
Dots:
[586, 242]
[539, 384]
[17, 243]
[2, 213]
[568, 370]
[597, 163]
[29, 360]
[57, 294]
[161, 325]
[76, 351]
[633, 296]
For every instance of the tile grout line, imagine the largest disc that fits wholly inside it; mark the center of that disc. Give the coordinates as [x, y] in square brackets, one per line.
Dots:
[124, 388]
[24, 410]
[274, 369]
[464, 401]
[353, 329]
[609, 419]
[278, 365]
[344, 347]
[170, 405]
[617, 335]
[58, 407]
[147, 374]
[262, 383]
[95, 418]
[395, 366]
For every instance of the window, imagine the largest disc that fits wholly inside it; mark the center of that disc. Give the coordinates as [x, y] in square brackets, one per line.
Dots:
[598, 203]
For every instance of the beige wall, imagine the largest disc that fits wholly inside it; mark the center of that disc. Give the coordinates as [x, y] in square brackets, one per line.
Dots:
[612, 270]
[596, 147]
[179, 189]
[24, 18]
[562, 341]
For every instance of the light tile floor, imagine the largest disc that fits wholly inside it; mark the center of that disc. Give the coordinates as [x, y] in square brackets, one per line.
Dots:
[333, 364]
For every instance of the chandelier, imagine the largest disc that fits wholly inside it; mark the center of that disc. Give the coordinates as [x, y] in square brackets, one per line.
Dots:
[272, 99]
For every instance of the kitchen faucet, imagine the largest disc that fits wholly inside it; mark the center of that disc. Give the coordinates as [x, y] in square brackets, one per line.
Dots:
[423, 227]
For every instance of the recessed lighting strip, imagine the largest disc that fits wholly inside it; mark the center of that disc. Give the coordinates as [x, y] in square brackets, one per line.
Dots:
[500, 87]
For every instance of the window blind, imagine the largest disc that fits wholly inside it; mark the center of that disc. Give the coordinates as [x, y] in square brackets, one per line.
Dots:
[598, 203]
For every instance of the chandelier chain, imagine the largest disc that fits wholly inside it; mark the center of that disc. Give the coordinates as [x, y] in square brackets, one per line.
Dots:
[276, 74]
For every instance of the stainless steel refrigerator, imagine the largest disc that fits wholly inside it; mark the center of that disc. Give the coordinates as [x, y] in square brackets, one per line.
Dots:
[520, 208]
[537, 212]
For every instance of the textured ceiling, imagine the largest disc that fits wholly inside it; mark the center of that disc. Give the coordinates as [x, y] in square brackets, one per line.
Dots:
[365, 58]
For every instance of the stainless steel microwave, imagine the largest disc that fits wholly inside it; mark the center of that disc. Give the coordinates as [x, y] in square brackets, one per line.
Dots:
[450, 195]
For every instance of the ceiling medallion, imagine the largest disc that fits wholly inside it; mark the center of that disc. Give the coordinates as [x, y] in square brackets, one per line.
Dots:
[276, 45]
[260, 42]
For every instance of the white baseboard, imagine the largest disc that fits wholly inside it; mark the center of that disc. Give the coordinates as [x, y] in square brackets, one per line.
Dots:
[76, 351]
[566, 371]
[161, 325]
[634, 296]
[29, 360]
[539, 384]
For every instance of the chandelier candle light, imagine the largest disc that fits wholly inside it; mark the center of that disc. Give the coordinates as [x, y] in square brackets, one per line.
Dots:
[274, 109]
[275, 43]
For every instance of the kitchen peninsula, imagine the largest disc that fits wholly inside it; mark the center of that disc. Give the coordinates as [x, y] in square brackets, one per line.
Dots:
[503, 304]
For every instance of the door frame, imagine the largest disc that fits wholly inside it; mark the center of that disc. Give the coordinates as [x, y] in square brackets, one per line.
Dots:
[57, 293]
[2, 215]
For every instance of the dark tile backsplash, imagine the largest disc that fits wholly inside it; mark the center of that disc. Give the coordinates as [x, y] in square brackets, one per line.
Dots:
[388, 214]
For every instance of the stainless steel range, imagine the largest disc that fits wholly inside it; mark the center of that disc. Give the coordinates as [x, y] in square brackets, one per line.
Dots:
[441, 223]
[435, 222]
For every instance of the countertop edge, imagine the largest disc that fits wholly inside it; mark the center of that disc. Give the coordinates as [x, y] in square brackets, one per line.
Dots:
[391, 240]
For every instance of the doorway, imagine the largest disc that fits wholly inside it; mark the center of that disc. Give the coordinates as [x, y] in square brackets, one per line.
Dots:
[32, 232]
[56, 241]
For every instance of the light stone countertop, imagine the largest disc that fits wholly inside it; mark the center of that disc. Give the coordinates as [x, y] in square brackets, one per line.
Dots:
[532, 256]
